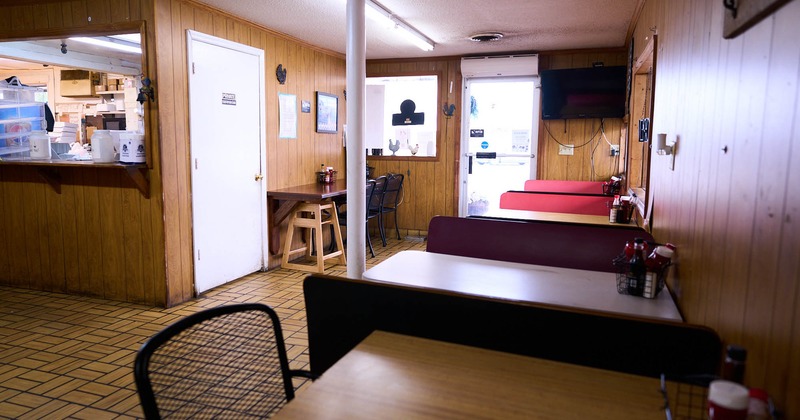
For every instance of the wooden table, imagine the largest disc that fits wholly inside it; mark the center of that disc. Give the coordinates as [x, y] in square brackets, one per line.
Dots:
[390, 376]
[564, 288]
[544, 216]
[281, 202]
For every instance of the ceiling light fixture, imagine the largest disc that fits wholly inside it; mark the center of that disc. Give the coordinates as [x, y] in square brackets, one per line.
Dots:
[108, 42]
[377, 13]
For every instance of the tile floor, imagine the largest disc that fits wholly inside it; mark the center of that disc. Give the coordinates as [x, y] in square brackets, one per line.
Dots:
[64, 356]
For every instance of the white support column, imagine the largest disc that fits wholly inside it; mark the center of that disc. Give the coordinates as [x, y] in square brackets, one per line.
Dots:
[356, 146]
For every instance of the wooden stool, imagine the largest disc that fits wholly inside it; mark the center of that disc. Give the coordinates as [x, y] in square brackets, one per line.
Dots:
[309, 216]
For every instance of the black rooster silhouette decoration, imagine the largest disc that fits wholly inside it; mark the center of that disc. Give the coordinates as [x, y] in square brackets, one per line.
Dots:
[280, 72]
[448, 110]
[146, 91]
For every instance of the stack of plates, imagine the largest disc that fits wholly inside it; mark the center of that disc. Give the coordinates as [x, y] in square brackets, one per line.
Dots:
[64, 132]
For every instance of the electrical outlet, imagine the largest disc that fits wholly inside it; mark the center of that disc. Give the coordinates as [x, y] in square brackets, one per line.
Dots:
[614, 149]
[566, 149]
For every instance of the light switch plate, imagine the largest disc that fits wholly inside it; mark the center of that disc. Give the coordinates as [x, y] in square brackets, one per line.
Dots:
[566, 149]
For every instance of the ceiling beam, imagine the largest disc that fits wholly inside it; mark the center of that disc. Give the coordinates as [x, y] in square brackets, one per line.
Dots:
[29, 51]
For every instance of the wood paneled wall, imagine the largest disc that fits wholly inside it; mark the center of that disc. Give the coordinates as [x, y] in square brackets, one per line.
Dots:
[431, 187]
[732, 203]
[76, 241]
[99, 236]
[592, 160]
[289, 161]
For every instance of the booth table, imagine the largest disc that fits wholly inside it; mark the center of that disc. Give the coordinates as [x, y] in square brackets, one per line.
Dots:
[564, 288]
[392, 376]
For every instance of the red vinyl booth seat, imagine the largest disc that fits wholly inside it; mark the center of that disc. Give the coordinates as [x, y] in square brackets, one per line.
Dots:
[596, 205]
[575, 187]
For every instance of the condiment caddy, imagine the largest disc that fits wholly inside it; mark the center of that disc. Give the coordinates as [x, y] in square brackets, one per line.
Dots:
[640, 273]
[326, 175]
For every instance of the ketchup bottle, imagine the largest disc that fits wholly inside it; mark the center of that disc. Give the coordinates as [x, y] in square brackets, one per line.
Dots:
[637, 270]
[660, 257]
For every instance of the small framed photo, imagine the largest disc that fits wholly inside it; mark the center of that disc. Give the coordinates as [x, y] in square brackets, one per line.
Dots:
[327, 113]
[305, 107]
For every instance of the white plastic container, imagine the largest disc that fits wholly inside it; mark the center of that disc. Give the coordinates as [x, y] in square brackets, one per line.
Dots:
[102, 147]
[132, 148]
[20, 114]
[39, 144]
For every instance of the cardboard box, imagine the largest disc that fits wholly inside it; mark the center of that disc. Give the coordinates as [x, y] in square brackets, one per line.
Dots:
[77, 83]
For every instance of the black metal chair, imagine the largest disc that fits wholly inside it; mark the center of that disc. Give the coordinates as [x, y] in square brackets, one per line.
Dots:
[376, 204]
[224, 362]
[343, 214]
[391, 200]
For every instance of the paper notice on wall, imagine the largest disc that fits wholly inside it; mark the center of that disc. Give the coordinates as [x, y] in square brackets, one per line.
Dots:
[288, 116]
[520, 141]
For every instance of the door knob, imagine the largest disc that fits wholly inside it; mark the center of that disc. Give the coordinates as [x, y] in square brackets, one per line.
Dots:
[259, 177]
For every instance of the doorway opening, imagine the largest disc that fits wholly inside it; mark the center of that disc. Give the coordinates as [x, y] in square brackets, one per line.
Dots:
[499, 140]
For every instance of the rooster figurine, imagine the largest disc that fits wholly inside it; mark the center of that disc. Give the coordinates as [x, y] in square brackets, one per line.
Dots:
[448, 110]
[414, 149]
[394, 147]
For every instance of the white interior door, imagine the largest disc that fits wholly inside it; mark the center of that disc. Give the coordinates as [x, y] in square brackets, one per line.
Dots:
[499, 140]
[226, 114]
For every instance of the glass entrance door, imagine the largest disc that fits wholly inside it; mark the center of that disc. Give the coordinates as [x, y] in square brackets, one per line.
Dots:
[499, 140]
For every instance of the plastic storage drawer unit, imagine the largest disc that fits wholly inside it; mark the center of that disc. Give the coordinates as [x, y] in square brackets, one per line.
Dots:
[19, 115]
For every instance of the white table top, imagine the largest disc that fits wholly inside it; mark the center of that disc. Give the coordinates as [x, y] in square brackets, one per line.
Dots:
[543, 285]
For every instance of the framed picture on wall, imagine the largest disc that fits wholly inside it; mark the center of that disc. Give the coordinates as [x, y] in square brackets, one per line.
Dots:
[327, 113]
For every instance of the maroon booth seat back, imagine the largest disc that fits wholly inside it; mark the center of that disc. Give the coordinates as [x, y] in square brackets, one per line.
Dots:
[596, 205]
[569, 245]
[576, 187]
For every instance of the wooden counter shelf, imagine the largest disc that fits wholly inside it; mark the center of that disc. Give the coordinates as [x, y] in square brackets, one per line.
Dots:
[48, 170]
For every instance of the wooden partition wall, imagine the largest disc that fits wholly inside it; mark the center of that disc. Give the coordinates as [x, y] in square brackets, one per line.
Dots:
[732, 202]
[432, 186]
[99, 236]
[289, 161]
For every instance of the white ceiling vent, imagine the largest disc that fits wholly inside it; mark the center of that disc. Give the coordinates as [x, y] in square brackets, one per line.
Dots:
[501, 65]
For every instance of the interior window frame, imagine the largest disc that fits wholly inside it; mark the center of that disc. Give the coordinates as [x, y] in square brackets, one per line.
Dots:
[439, 116]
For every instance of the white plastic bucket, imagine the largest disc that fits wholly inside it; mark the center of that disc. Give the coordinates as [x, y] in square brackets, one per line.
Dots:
[132, 148]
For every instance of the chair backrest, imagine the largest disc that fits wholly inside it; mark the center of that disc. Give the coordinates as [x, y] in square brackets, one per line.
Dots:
[376, 202]
[394, 185]
[369, 193]
[228, 361]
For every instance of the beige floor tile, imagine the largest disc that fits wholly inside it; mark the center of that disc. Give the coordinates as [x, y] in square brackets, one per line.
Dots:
[64, 356]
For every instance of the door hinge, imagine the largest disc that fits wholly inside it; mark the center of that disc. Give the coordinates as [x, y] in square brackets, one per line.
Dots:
[192, 67]
[195, 164]
[198, 255]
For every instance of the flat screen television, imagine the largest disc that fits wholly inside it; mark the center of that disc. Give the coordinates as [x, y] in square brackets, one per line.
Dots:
[596, 92]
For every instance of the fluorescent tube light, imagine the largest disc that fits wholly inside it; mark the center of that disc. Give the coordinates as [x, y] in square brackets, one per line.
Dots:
[378, 14]
[415, 37]
[106, 42]
[387, 18]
